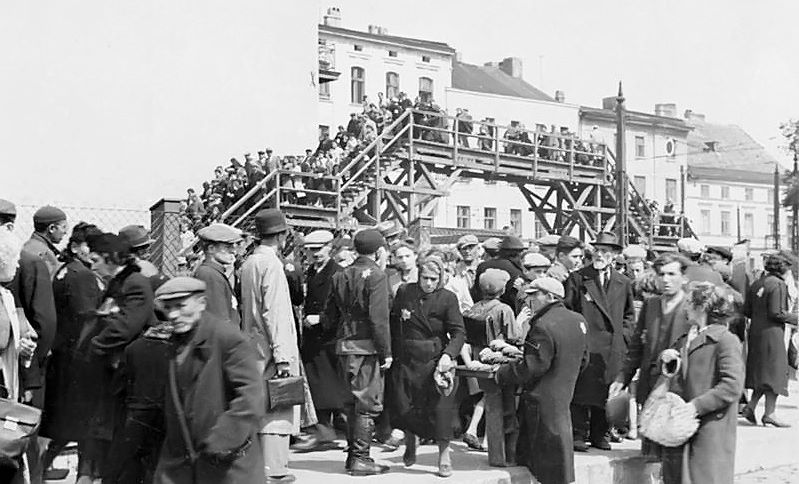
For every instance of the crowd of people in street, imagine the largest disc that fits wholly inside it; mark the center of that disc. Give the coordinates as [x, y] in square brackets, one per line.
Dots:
[215, 376]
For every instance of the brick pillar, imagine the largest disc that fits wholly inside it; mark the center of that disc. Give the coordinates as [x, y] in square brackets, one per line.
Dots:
[165, 232]
[420, 231]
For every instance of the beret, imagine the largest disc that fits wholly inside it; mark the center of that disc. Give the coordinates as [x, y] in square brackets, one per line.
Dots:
[536, 259]
[179, 287]
[219, 232]
[511, 242]
[546, 284]
[548, 240]
[720, 250]
[108, 243]
[318, 238]
[467, 240]
[493, 281]
[7, 208]
[491, 243]
[690, 246]
[368, 241]
[49, 215]
[136, 235]
[270, 221]
[634, 252]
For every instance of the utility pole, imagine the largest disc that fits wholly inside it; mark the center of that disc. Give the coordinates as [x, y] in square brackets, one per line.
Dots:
[775, 229]
[621, 169]
[794, 234]
[738, 220]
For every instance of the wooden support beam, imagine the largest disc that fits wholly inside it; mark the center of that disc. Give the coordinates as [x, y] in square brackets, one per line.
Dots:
[534, 207]
[445, 186]
[576, 209]
[417, 190]
[425, 173]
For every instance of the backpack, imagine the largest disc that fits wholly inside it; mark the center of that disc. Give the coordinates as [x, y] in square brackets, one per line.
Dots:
[477, 320]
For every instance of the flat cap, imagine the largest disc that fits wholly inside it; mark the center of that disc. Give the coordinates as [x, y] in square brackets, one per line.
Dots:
[7, 208]
[548, 240]
[179, 287]
[568, 242]
[690, 245]
[466, 241]
[368, 241]
[318, 238]
[724, 252]
[632, 252]
[511, 242]
[546, 284]
[536, 259]
[270, 221]
[49, 215]
[136, 235]
[493, 281]
[492, 243]
[218, 232]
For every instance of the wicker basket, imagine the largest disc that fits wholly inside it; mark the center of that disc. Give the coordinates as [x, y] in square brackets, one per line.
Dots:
[662, 423]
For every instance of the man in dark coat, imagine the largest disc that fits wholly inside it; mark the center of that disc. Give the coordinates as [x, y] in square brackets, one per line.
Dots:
[219, 246]
[509, 260]
[605, 298]
[555, 352]
[357, 310]
[215, 395]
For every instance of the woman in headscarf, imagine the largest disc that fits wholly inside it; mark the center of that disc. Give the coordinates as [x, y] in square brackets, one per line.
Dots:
[710, 380]
[427, 335]
[767, 304]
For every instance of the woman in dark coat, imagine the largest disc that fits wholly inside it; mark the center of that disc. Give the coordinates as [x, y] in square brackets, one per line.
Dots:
[710, 380]
[767, 359]
[68, 402]
[427, 335]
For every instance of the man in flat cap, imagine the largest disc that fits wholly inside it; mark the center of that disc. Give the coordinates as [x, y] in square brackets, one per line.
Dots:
[49, 229]
[697, 271]
[547, 244]
[508, 260]
[218, 242]
[568, 258]
[535, 265]
[555, 351]
[268, 316]
[490, 249]
[469, 248]
[358, 310]
[215, 395]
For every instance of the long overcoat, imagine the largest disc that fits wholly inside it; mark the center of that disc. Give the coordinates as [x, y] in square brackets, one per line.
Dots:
[68, 401]
[268, 319]
[221, 301]
[712, 379]
[767, 359]
[555, 351]
[221, 394]
[610, 317]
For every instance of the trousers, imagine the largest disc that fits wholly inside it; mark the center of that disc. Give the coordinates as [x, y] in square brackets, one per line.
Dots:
[364, 382]
[589, 422]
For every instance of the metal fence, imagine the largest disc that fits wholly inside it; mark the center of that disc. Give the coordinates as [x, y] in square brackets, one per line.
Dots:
[108, 219]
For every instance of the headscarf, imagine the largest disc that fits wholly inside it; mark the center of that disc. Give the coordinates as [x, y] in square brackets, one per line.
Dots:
[434, 264]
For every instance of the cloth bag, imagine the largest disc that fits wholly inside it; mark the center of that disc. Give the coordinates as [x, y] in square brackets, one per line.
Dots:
[660, 421]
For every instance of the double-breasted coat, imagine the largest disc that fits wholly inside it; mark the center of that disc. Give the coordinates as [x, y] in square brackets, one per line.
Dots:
[610, 317]
[268, 319]
[220, 299]
[712, 379]
[555, 351]
[767, 359]
[68, 401]
[221, 393]
[423, 327]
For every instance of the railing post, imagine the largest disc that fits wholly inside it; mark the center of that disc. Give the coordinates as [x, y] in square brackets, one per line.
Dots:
[338, 203]
[454, 138]
[571, 159]
[378, 195]
[165, 233]
[496, 148]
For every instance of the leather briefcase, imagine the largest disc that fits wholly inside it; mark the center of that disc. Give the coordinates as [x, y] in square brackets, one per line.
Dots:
[18, 424]
[285, 392]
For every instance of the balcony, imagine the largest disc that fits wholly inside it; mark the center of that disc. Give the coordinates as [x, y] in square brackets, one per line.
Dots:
[327, 62]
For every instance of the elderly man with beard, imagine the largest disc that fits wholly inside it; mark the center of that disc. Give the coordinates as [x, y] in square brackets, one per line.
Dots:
[219, 246]
[605, 298]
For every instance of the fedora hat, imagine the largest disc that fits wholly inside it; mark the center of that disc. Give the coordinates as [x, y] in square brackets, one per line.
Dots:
[270, 221]
[608, 239]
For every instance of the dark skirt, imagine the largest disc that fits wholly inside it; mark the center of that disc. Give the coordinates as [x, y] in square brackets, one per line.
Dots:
[416, 405]
[767, 360]
[327, 388]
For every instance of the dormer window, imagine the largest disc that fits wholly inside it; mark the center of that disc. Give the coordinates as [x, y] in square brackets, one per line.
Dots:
[711, 145]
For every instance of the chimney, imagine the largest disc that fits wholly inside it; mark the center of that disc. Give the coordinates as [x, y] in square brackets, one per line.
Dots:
[492, 64]
[560, 96]
[377, 30]
[458, 56]
[609, 103]
[511, 66]
[692, 116]
[333, 17]
[668, 110]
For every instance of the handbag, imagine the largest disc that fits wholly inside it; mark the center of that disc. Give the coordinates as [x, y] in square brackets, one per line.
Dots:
[793, 352]
[284, 392]
[18, 425]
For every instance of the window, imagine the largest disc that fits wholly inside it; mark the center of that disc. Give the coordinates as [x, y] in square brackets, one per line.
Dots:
[640, 147]
[324, 90]
[392, 85]
[538, 229]
[749, 224]
[725, 223]
[464, 216]
[357, 47]
[392, 53]
[705, 221]
[516, 221]
[770, 223]
[671, 190]
[640, 184]
[425, 58]
[357, 88]
[725, 193]
[490, 218]
[770, 195]
[426, 89]
[749, 194]
[704, 191]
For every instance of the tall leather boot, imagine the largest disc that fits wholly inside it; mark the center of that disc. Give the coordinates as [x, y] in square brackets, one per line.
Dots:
[362, 463]
[351, 422]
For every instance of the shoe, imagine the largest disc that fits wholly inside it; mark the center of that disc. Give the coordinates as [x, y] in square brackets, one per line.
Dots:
[613, 436]
[280, 479]
[580, 446]
[348, 462]
[392, 443]
[776, 423]
[409, 456]
[366, 467]
[445, 470]
[314, 444]
[749, 415]
[473, 442]
[53, 474]
[601, 444]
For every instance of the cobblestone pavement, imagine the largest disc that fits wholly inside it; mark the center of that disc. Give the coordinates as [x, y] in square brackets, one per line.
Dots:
[788, 474]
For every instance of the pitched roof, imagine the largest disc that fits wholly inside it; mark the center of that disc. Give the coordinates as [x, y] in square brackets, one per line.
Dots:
[635, 118]
[727, 148]
[492, 80]
[390, 39]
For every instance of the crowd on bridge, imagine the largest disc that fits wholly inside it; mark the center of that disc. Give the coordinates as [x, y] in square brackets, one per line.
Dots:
[216, 375]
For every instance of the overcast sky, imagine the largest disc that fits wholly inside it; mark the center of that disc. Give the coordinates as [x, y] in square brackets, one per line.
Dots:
[734, 61]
